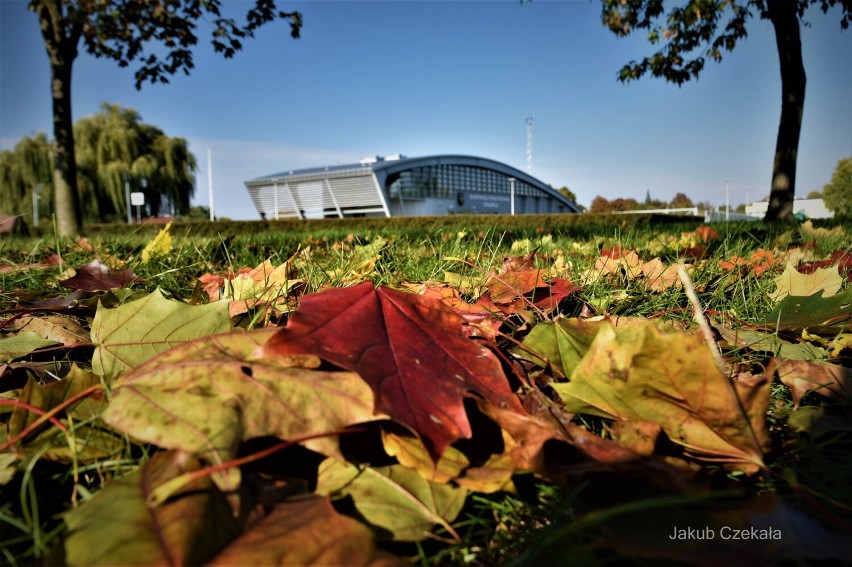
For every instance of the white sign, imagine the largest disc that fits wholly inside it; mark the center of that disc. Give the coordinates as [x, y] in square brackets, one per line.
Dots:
[137, 199]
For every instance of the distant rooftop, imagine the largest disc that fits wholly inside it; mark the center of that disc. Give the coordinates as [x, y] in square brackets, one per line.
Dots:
[365, 163]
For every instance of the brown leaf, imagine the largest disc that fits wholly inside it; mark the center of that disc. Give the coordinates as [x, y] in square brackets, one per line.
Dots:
[96, 276]
[661, 277]
[409, 348]
[57, 328]
[306, 532]
[519, 263]
[509, 286]
[647, 373]
[118, 527]
[803, 377]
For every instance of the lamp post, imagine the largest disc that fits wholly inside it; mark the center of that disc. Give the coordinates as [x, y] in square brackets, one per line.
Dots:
[127, 200]
[36, 190]
[727, 200]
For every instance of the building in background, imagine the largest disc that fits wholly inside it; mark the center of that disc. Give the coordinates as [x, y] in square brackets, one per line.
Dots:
[811, 208]
[401, 186]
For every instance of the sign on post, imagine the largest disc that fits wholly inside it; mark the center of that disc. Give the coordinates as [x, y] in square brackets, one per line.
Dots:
[137, 199]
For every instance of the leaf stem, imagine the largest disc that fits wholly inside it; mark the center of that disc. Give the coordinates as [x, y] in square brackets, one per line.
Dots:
[28, 407]
[48, 415]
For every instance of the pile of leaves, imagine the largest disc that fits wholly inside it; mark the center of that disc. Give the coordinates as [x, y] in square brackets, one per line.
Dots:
[255, 420]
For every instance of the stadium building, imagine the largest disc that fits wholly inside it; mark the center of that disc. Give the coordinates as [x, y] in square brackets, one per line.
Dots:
[401, 186]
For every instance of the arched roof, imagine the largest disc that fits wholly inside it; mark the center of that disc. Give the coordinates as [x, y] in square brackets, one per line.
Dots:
[385, 167]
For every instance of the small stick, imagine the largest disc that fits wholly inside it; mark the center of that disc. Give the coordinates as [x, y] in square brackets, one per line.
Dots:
[699, 316]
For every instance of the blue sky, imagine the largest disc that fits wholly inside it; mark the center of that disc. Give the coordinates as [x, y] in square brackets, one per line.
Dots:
[422, 78]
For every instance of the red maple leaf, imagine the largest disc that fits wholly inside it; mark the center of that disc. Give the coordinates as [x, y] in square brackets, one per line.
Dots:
[409, 348]
[96, 276]
[842, 258]
[548, 299]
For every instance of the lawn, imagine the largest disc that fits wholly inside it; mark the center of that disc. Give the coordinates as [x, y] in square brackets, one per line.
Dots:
[467, 391]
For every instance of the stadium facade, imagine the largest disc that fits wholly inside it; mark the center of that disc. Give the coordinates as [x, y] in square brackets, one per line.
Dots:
[401, 186]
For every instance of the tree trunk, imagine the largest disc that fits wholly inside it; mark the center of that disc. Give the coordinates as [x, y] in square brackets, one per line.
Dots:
[68, 211]
[60, 39]
[785, 20]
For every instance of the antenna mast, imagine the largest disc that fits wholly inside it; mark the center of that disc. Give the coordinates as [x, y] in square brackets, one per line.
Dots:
[529, 122]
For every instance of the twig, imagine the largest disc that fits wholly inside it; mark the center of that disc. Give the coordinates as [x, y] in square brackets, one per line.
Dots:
[699, 317]
[28, 407]
[49, 415]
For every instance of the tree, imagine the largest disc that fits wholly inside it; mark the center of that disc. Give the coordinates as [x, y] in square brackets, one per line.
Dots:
[837, 193]
[567, 193]
[25, 170]
[681, 201]
[719, 26]
[112, 148]
[122, 30]
[602, 205]
[115, 147]
[815, 195]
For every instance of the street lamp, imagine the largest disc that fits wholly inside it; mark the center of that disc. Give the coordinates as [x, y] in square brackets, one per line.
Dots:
[36, 190]
[727, 200]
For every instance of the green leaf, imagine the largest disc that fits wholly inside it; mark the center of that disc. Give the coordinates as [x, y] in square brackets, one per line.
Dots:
[22, 344]
[117, 527]
[564, 342]
[129, 335]
[647, 373]
[210, 394]
[770, 342]
[820, 315]
[395, 498]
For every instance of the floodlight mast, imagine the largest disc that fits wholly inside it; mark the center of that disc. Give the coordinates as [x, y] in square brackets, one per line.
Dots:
[529, 122]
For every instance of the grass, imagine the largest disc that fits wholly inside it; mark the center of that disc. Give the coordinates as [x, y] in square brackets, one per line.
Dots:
[811, 472]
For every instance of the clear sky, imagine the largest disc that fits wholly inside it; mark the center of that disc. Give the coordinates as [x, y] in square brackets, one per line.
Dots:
[422, 78]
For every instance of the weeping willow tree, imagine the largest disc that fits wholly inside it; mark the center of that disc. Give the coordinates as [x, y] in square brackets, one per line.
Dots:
[25, 170]
[112, 148]
[115, 147]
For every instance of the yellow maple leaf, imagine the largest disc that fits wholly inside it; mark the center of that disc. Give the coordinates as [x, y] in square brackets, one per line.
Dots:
[161, 245]
[791, 282]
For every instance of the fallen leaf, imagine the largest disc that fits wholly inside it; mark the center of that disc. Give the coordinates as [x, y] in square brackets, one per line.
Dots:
[306, 532]
[161, 245]
[22, 344]
[395, 498]
[509, 286]
[8, 467]
[829, 380]
[614, 261]
[791, 282]
[769, 342]
[412, 454]
[548, 299]
[128, 335]
[842, 259]
[96, 276]
[210, 394]
[64, 330]
[409, 348]
[661, 277]
[188, 530]
[564, 342]
[818, 314]
[648, 373]
[523, 263]
[817, 421]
